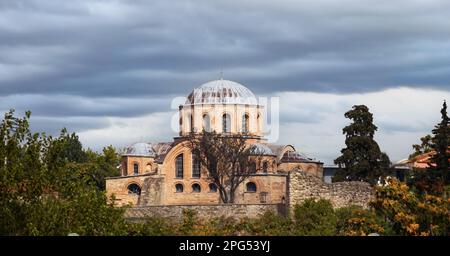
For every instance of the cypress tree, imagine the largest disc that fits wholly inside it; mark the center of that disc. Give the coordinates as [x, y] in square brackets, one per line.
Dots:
[362, 158]
[440, 144]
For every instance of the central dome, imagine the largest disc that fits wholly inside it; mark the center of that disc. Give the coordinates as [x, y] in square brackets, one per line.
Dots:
[221, 92]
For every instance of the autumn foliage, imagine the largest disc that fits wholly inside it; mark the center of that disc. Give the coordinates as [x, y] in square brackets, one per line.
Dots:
[410, 213]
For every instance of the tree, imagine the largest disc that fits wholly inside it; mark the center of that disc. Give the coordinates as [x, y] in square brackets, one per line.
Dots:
[228, 160]
[102, 165]
[440, 144]
[362, 158]
[315, 218]
[45, 186]
[423, 147]
[412, 214]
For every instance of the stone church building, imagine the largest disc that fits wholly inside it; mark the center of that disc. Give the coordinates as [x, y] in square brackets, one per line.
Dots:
[168, 173]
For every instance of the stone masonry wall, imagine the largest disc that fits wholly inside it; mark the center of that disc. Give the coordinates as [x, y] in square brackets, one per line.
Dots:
[175, 212]
[302, 185]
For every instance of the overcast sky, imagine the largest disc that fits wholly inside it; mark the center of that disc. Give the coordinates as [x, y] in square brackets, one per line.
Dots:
[109, 70]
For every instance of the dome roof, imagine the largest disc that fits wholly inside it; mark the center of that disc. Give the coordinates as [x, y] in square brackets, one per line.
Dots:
[221, 92]
[294, 157]
[261, 149]
[140, 149]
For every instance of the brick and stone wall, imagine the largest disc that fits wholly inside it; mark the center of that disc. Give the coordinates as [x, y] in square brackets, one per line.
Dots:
[302, 185]
[175, 212]
[314, 168]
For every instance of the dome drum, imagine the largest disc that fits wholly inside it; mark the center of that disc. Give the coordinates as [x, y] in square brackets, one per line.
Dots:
[222, 106]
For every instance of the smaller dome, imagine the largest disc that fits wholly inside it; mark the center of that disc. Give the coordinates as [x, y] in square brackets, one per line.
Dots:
[140, 149]
[294, 157]
[261, 149]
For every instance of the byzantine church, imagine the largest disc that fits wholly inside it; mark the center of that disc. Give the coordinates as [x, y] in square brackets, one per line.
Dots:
[168, 173]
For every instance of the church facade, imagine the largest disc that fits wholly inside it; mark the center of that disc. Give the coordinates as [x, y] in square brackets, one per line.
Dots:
[168, 173]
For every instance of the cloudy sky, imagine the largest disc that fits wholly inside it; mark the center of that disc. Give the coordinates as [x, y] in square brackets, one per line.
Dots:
[109, 70]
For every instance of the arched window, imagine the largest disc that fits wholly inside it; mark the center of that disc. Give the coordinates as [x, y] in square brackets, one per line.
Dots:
[252, 167]
[245, 123]
[251, 187]
[196, 164]
[196, 188]
[191, 122]
[265, 167]
[258, 120]
[206, 123]
[212, 187]
[136, 169]
[148, 167]
[134, 188]
[179, 166]
[226, 123]
[179, 188]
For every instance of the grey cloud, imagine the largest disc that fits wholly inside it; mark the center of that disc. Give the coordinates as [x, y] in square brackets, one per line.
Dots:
[53, 126]
[87, 46]
[76, 63]
[391, 127]
[75, 106]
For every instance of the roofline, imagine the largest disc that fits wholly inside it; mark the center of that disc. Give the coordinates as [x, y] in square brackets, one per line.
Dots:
[221, 103]
[302, 161]
[129, 176]
[138, 155]
[228, 135]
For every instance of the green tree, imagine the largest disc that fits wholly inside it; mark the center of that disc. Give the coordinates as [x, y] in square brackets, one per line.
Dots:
[362, 158]
[315, 218]
[46, 188]
[102, 165]
[440, 144]
[270, 224]
[423, 147]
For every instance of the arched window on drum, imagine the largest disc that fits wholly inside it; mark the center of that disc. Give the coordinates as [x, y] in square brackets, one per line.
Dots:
[206, 123]
[226, 123]
[245, 123]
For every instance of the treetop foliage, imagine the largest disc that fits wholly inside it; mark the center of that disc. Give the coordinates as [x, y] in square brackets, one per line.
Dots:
[50, 186]
[362, 158]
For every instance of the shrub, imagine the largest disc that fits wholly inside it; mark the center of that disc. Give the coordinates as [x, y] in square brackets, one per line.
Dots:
[269, 224]
[315, 218]
[355, 221]
[153, 226]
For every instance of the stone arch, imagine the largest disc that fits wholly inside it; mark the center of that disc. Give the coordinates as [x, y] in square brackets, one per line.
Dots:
[148, 167]
[245, 123]
[206, 122]
[179, 187]
[251, 187]
[226, 122]
[134, 188]
[286, 148]
[196, 187]
[168, 165]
